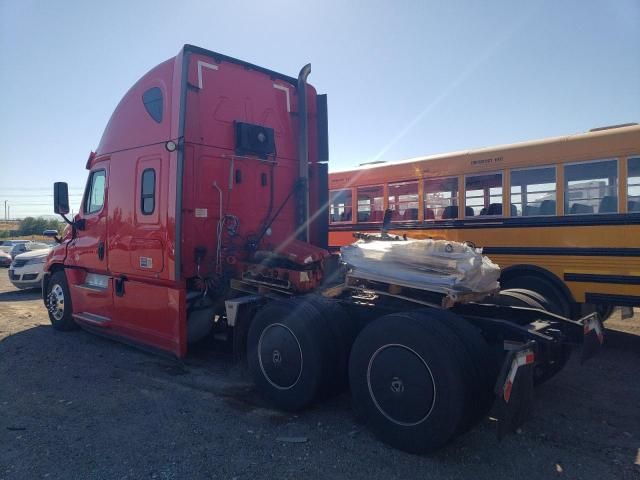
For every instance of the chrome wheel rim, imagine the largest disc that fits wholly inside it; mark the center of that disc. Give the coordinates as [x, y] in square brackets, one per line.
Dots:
[56, 302]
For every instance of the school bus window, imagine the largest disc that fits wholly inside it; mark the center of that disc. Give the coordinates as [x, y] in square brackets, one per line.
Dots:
[370, 204]
[403, 201]
[591, 187]
[633, 185]
[533, 192]
[441, 198]
[340, 206]
[483, 194]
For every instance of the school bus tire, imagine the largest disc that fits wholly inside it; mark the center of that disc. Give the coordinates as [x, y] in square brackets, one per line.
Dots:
[556, 299]
[520, 297]
[547, 370]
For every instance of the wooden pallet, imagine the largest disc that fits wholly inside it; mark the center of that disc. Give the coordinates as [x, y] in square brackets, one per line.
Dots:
[415, 293]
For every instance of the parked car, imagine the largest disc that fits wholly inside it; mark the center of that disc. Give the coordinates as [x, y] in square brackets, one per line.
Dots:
[18, 248]
[26, 270]
[5, 256]
[10, 243]
[22, 247]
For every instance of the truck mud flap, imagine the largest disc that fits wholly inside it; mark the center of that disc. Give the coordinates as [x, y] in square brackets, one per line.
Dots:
[593, 336]
[514, 389]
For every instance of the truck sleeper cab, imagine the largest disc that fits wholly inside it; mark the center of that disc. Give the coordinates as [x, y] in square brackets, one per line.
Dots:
[206, 210]
[197, 169]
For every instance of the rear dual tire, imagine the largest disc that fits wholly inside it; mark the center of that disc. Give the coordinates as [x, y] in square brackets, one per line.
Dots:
[419, 378]
[298, 350]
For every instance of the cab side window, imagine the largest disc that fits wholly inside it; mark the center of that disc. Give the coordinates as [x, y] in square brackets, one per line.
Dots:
[95, 197]
[148, 191]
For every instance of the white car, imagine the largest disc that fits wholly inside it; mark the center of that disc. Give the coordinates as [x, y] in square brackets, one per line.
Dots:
[27, 269]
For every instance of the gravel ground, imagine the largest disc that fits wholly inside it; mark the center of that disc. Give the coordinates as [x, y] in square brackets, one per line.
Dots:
[73, 405]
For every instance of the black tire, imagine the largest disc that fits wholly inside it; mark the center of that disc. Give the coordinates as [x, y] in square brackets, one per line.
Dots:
[286, 353]
[408, 382]
[557, 302]
[343, 331]
[534, 299]
[518, 297]
[58, 302]
[605, 311]
[483, 366]
[542, 371]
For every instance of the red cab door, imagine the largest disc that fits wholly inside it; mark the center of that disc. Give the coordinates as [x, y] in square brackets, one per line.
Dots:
[91, 285]
[89, 249]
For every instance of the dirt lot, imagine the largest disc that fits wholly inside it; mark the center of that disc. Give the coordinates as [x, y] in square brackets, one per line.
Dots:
[73, 405]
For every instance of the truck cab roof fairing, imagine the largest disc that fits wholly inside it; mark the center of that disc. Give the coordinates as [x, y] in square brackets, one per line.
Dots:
[132, 125]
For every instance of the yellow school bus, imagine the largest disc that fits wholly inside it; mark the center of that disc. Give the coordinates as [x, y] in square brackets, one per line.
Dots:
[561, 216]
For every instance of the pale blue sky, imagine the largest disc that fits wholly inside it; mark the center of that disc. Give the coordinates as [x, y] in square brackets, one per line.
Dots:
[404, 78]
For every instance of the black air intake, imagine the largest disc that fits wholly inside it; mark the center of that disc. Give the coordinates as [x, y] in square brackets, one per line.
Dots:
[254, 140]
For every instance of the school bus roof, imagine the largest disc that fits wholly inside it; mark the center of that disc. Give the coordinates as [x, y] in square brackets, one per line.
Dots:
[613, 130]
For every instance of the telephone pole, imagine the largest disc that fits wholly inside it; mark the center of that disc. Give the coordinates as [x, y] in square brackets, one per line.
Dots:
[5, 210]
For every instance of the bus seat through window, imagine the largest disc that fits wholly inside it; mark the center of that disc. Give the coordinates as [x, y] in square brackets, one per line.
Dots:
[376, 216]
[633, 206]
[494, 209]
[468, 212]
[410, 214]
[514, 210]
[363, 216]
[580, 208]
[608, 204]
[548, 207]
[531, 210]
[450, 211]
[429, 214]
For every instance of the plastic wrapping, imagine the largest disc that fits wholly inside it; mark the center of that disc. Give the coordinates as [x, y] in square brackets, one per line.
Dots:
[436, 265]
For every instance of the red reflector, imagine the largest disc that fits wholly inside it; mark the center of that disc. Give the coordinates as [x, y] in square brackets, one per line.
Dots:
[507, 391]
[530, 358]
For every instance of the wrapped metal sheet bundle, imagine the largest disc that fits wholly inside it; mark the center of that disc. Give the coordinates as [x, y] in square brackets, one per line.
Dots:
[437, 265]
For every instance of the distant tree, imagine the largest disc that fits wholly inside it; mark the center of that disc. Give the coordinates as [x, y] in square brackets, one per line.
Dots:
[54, 224]
[35, 226]
[27, 226]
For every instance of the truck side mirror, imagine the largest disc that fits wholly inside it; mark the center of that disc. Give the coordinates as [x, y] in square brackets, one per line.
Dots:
[61, 198]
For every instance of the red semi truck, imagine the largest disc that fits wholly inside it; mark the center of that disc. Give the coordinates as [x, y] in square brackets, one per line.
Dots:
[205, 212]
